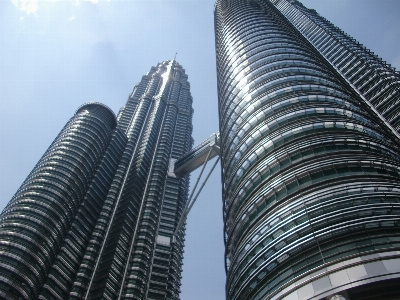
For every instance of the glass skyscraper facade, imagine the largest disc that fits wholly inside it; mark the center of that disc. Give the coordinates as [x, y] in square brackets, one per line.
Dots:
[369, 75]
[310, 157]
[95, 217]
[309, 145]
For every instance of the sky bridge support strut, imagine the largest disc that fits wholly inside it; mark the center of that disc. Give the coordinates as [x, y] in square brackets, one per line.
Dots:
[198, 156]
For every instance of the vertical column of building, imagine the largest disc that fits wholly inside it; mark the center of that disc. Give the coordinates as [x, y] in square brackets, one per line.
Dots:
[137, 273]
[39, 216]
[114, 250]
[65, 268]
[164, 282]
[90, 265]
[137, 280]
[310, 175]
[183, 142]
[377, 81]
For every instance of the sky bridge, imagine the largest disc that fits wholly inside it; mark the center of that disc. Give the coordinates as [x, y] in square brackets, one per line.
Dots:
[190, 161]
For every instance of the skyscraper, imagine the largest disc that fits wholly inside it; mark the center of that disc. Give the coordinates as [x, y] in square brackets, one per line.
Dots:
[369, 75]
[95, 217]
[310, 157]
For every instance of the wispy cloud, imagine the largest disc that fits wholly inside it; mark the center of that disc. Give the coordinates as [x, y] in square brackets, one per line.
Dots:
[32, 6]
[71, 18]
[78, 2]
[29, 6]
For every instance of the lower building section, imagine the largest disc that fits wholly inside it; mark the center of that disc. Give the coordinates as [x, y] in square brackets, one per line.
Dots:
[301, 248]
[366, 277]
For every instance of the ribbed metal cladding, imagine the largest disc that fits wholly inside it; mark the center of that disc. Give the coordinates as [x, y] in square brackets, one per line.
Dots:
[37, 219]
[166, 268]
[129, 255]
[155, 266]
[95, 218]
[66, 266]
[373, 77]
[310, 174]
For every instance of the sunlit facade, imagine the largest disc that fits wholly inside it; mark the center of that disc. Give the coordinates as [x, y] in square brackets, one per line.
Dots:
[310, 161]
[371, 77]
[95, 217]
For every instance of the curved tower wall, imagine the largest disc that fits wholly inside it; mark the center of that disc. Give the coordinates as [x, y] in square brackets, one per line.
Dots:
[375, 79]
[310, 175]
[65, 267]
[36, 220]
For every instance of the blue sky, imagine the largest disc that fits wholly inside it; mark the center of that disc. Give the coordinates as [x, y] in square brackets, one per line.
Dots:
[57, 55]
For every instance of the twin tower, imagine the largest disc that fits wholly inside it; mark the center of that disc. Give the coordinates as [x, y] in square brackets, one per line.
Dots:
[309, 146]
